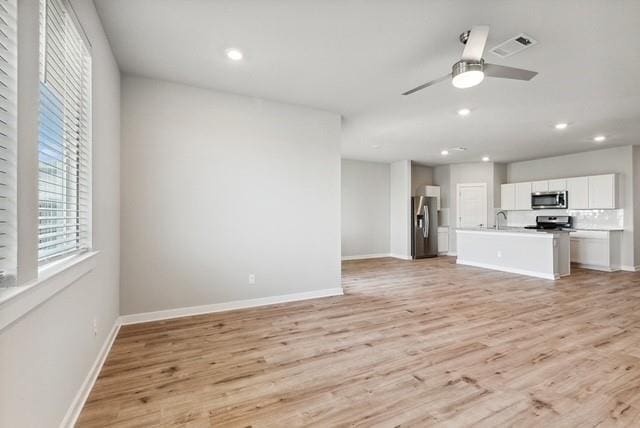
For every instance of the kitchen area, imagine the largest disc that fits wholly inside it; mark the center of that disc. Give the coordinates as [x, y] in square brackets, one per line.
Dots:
[539, 228]
[538, 217]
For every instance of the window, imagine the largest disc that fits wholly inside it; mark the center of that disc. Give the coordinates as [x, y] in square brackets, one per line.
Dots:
[64, 183]
[8, 126]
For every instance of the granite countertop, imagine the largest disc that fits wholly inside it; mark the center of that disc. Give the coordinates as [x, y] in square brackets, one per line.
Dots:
[596, 229]
[507, 229]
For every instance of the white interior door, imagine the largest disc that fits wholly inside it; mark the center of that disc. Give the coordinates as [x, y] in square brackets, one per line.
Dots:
[472, 205]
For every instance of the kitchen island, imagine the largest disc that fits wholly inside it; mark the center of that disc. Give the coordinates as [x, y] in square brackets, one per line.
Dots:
[542, 254]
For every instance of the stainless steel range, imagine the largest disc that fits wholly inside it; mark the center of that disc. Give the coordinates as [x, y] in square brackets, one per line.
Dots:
[547, 222]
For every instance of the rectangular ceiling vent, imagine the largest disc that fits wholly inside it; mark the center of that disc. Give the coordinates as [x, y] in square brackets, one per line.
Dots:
[513, 45]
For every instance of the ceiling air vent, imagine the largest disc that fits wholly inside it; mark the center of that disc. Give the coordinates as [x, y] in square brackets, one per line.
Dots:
[513, 45]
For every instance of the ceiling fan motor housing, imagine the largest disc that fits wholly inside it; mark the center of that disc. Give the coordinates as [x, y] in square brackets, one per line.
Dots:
[463, 66]
[464, 37]
[466, 74]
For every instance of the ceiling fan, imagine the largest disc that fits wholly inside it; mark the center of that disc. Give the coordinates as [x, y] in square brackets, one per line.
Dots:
[472, 69]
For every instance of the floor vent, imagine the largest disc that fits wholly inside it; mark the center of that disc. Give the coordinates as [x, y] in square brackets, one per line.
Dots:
[513, 45]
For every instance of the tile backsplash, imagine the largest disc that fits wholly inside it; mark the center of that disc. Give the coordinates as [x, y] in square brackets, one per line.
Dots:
[582, 219]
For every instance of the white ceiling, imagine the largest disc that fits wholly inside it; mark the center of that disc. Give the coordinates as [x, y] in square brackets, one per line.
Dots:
[355, 57]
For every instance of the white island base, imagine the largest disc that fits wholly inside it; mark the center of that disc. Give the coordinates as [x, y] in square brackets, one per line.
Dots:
[522, 251]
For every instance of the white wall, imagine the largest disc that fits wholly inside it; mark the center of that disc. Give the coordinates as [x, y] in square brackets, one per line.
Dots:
[46, 354]
[365, 208]
[614, 160]
[442, 178]
[421, 176]
[499, 178]
[217, 186]
[636, 204]
[400, 203]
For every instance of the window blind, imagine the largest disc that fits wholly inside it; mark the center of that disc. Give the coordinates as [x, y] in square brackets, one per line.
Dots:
[8, 129]
[64, 184]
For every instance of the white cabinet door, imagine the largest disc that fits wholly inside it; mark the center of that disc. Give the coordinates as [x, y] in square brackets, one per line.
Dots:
[508, 196]
[555, 185]
[602, 191]
[578, 189]
[540, 186]
[590, 251]
[443, 242]
[576, 255]
[523, 196]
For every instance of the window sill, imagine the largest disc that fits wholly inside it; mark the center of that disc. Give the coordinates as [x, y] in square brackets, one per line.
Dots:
[17, 301]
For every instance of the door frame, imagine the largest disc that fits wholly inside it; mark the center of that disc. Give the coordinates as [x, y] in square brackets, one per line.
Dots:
[485, 204]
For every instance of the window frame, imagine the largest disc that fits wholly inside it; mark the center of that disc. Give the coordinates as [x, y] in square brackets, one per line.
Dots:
[9, 218]
[83, 165]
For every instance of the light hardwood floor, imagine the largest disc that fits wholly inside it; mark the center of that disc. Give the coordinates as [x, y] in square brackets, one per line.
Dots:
[412, 343]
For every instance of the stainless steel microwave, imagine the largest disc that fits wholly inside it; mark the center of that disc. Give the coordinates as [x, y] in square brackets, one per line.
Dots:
[549, 200]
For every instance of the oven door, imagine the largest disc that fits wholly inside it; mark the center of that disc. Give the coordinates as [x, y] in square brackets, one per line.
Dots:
[549, 200]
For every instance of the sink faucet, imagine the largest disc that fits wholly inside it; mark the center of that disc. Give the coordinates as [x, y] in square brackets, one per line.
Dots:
[504, 214]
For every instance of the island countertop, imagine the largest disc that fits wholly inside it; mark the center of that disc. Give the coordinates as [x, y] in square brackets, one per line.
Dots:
[519, 230]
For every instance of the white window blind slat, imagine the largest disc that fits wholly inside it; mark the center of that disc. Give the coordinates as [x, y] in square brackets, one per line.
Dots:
[64, 184]
[8, 125]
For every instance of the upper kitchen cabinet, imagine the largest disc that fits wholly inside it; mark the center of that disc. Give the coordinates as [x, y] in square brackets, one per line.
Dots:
[593, 192]
[578, 188]
[540, 186]
[508, 196]
[557, 185]
[433, 191]
[602, 191]
[523, 196]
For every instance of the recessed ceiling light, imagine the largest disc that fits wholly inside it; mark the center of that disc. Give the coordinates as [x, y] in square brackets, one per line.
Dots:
[234, 54]
[599, 138]
[444, 152]
[464, 112]
[485, 159]
[561, 125]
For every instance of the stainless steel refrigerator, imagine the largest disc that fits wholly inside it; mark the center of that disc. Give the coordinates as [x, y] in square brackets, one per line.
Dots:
[424, 227]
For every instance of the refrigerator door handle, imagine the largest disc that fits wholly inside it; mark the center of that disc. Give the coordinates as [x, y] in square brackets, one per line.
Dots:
[425, 228]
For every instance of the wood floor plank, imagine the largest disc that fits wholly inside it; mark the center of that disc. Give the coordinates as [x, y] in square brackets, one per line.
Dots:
[412, 343]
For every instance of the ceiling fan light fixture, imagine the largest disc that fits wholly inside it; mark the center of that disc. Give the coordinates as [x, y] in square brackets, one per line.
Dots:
[467, 74]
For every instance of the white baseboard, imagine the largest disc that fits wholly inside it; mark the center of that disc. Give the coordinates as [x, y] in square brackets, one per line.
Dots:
[71, 417]
[366, 256]
[630, 268]
[400, 256]
[509, 269]
[600, 268]
[227, 306]
[452, 254]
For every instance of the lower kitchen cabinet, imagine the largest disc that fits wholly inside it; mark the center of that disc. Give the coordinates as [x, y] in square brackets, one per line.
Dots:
[443, 240]
[596, 249]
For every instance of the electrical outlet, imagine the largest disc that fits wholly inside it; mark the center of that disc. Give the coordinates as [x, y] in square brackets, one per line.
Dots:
[499, 254]
[252, 278]
[95, 327]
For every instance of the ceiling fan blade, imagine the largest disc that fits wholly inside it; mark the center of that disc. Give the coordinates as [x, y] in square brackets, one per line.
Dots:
[503, 72]
[475, 43]
[426, 85]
